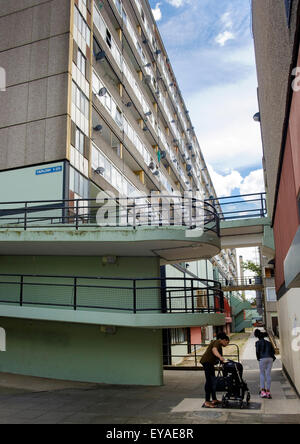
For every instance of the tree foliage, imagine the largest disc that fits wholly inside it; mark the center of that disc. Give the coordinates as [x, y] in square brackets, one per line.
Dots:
[252, 266]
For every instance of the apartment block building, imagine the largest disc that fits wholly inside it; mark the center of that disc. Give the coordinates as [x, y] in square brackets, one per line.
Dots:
[92, 105]
[276, 26]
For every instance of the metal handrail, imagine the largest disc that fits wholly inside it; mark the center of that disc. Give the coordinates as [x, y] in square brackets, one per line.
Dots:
[162, 210]
[197, 357]
[245, 281]
[166, 295]
[259, 199]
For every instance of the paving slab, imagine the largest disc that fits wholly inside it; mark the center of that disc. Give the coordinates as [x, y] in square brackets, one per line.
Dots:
[28, 400]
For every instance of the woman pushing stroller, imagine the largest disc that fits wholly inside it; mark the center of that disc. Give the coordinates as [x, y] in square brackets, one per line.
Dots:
[212, 356]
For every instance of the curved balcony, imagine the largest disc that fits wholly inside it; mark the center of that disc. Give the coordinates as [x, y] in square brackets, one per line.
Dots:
[170, 227]
[149, 302]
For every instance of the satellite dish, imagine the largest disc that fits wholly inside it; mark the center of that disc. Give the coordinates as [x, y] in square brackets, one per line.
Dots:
[100, 171]
[102, 92]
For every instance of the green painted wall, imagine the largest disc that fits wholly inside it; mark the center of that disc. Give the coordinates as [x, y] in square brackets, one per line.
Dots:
[82, 352]
[23, 184]
[140, 267]
[112, 298]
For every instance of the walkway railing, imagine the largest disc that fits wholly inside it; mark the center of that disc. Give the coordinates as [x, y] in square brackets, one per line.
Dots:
[160, 211]
[241, 207]
[170, 295]
[191, 359]
[242, 282]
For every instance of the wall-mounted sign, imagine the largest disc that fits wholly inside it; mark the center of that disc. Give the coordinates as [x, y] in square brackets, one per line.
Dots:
[48, 170]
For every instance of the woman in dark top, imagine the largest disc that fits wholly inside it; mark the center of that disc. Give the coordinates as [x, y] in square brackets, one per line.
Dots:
[266, 356]
[211, 357]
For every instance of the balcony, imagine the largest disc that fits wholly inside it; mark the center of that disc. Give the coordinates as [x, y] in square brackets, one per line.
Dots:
[171, 228]
[147, 303]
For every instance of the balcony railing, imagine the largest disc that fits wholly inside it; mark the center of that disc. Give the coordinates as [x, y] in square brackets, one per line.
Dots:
[251, 281]
[158, 211]
[241, 207]
[156, 295]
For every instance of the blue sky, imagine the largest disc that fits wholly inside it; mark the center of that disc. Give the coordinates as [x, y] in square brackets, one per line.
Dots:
[210, 46]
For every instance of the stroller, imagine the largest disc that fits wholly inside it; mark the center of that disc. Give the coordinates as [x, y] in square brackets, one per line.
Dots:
[230, 380]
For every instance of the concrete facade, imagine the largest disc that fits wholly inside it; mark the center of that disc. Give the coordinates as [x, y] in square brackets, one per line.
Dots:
[277, 54]
[90, 107]
[34, 52]
[274, 50]
[82, 352]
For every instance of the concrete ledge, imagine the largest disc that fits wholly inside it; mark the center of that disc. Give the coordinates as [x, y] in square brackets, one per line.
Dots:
[171, 244]
[243, 233]
[149, 320]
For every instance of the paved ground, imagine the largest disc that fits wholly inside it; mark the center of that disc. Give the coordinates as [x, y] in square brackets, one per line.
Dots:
[38, 401]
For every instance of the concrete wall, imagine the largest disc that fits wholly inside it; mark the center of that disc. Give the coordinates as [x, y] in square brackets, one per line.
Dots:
[34, 49]
[289, 319]
[82, 352]
[274, 44]
[127, 267]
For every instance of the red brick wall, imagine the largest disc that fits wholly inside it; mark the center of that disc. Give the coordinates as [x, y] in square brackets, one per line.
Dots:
[287, 217]
[294, 127]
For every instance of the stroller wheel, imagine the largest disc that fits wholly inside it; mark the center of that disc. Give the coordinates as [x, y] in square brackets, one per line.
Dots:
[224, 402]
[248, 398]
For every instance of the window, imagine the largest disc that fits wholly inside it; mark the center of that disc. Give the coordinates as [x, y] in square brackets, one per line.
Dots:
[111, 173]
[119, 6]
[79, 141]
[179, 336]
[82, 26]
[79, 184]
[119, 117]
[108, 38]
[288, 8]
[124, 15]
[271, 295]
[81, 62]
[80, 100]
[108, 101]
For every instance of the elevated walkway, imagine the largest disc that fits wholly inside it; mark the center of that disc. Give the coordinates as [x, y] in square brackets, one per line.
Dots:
[172, 228]
[244, 233]
[175, 229]
[243, 284]
[98, 300]
[244, 222]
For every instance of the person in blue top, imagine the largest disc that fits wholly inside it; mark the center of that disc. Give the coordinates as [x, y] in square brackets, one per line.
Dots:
[266, 356]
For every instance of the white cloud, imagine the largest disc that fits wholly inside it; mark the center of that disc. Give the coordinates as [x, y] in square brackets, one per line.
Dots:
[227, 20]
[223, 37]
[157, 14]
[223, 119]
[224, 185]
[176, 3]
[254, 183]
